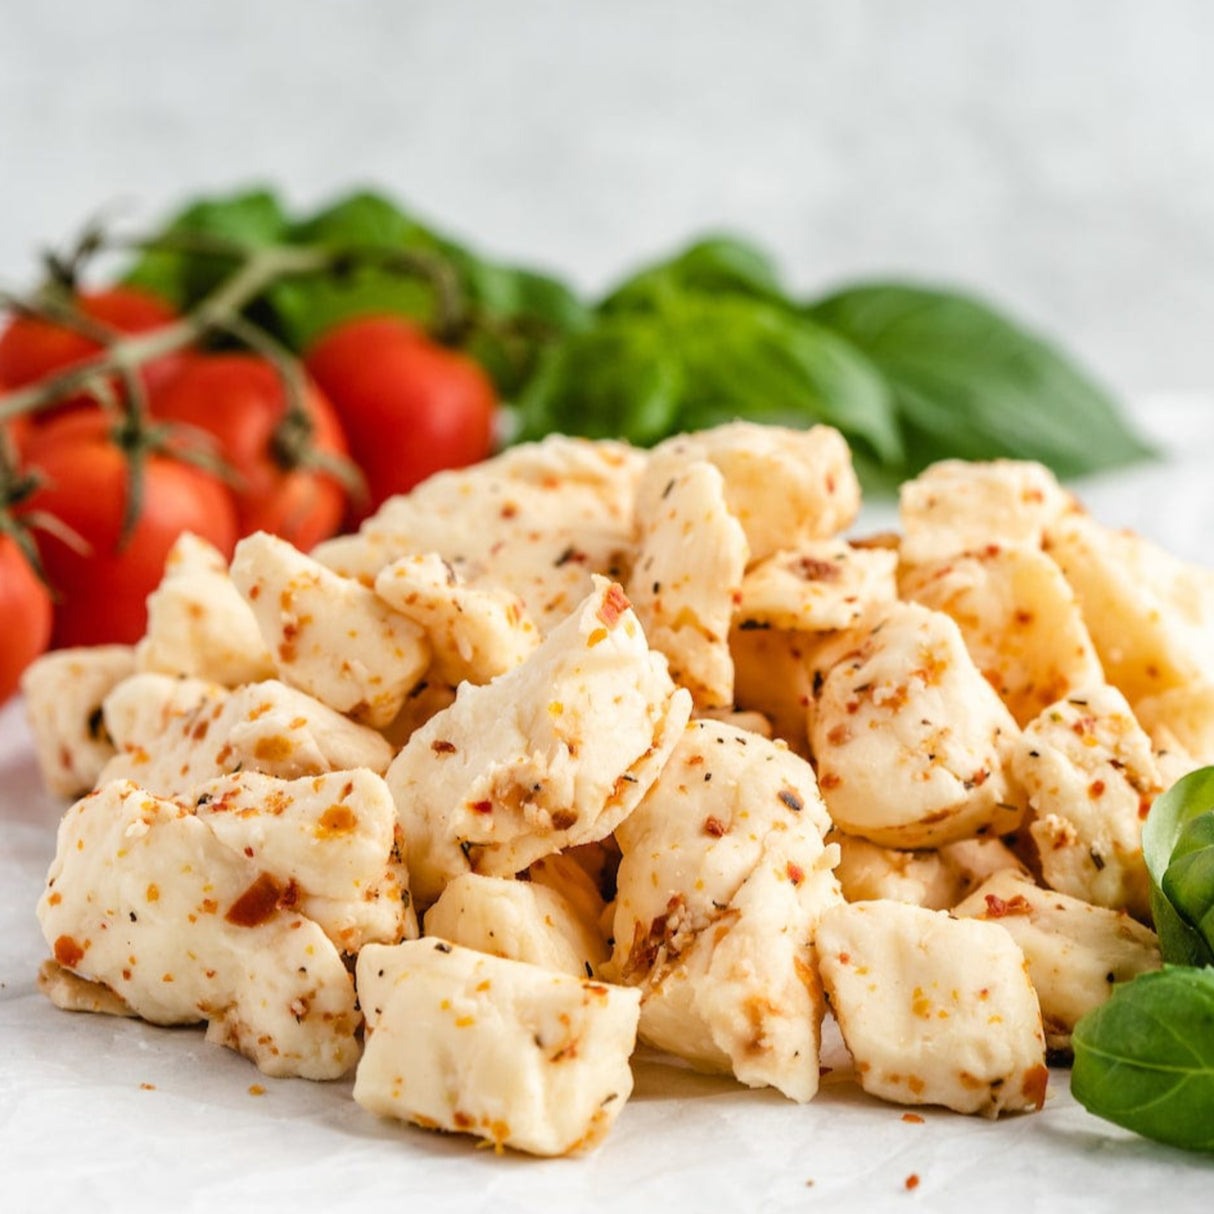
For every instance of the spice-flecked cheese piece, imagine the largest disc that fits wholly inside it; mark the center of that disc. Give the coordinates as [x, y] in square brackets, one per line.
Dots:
[555, 752]
[173, 734]
[1151, 615]
[522, 920]
[934, 1010]
[198, 625]
[937, 879]
[64, 691]
[784, 486]
[1091, 778]
[957, 506]
[531, 522]
[330, 636]
[515, 1054]
[722, 878]
[1076, 952]
[687, 579]
[912, 744]
[475, 633]
[143, 897]
[818, 587]
[330, 840]
[1020, 620]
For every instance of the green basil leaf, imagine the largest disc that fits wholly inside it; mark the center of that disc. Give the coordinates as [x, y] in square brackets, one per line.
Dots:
[971, 383]
[250, 219]
[364, 220]
[1178, 846]
[619, 379]
[715, 265]
[745, 358]
[1145, 1058]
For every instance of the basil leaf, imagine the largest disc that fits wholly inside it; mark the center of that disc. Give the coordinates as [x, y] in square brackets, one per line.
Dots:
[715, 265]
[1145, 1058]
[971, 383]
[250, 219]
[1178, 847]
[620, 379]
[364, 220]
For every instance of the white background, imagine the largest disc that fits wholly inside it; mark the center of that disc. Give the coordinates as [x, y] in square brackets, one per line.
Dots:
[1056, 154]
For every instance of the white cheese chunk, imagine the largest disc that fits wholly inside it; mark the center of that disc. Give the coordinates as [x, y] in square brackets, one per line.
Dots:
[959, 506]
[475, 633]
[172, 734]
[722, 879]
[329, 839]
[687, 579]
[518, 1055]
[143, 897]
[556, 752]
[522, 920]
[64, 691]
[934, 1010]
[913, 746]
[1091, 778]
[1076, 952]
[1020, 621]
[198, 625]
[330, 636]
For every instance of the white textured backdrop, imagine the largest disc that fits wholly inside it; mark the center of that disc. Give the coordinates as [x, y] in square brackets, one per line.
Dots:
[1055, 154]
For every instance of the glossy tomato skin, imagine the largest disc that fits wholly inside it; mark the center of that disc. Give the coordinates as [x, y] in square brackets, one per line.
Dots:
[409, 406]
[31, 349]
[25, 615]
[240, 399]
[103, 592]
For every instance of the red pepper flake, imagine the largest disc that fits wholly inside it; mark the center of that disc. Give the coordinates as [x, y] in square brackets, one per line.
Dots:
[714, 827]
[813, 570]
[68, 953]
[481, 807]
[256, 904]
[912, 1181]
[147, 1087]
[255, 1089]
[1095, 789]
[442, 747]
[997, 908]
[615, 603]
[912, 1118]
[796, 874]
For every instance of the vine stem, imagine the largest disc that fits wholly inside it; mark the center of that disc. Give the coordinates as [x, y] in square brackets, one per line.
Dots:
[122, 357]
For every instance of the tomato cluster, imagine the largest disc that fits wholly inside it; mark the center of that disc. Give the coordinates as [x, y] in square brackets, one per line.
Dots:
[222, 447]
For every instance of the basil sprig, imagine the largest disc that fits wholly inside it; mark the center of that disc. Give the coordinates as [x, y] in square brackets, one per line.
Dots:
[1145, 1059]
[909, 374]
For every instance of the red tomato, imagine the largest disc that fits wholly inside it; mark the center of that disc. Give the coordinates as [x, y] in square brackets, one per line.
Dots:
[31, 349]
[104, 591]
[240, 399]
[25, 615]
[409, 406]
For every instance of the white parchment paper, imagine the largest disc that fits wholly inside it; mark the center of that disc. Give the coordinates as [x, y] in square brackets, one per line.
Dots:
[101, 1114]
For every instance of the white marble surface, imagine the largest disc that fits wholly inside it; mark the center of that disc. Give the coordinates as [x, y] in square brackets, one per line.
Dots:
[1053, 153]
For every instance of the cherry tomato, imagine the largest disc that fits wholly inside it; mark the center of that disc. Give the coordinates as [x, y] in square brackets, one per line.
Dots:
[241, 400]
[409, 406]
[104, 590]
[25, 615]
[31, 349]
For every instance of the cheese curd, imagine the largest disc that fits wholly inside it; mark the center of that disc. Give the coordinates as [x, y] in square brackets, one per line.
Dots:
[687, 580]
[515, 1054]
[330, 636]
[64, 691]
[556, 752]
[144, 897]
[198, 624]
[172, 734]
[1091, 777]
[913, 747]
[722, 878]
[1076, 952]
[934, 1010]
